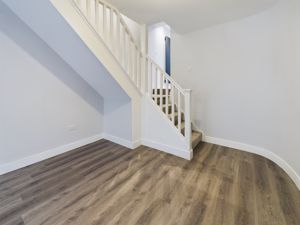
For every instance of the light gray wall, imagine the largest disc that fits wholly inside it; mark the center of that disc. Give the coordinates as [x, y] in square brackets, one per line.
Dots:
[118, 119]
[44, 103]
[156, 43]
[134, 28]
[245, 79]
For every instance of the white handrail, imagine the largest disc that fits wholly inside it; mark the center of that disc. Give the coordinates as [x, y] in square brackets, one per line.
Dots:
[147, 75]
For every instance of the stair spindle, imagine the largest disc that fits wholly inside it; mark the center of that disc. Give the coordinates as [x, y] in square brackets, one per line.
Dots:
[88, 9]
[134, 64]
[167, 97]
[187, 118]
[155, 83]
[144, 74]
[161, 80]
[118, 36]
[79, 3]
[111, 30]
[126, 53]
[173, 104]
[132, 60]
[139, 70]
[179, 111]
[104, 21]
[97, 20]
[136, 67]
[129, 58]
[123, 48]
[150, 72]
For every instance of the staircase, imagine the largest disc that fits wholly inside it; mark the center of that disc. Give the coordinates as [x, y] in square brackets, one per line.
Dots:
[174, 114]
[173, 101]
[160, 109]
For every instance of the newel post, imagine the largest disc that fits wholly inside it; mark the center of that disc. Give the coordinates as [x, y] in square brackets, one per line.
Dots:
[144, 50]
[187, 115]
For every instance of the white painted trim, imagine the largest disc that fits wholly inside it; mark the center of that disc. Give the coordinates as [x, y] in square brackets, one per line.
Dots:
[27, 161]
[136, 144]
[18, 164]
[168, 149]
[122, 141]
[259, 151]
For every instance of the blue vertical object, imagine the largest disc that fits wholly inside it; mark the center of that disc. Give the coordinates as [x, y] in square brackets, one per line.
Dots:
[168, 55]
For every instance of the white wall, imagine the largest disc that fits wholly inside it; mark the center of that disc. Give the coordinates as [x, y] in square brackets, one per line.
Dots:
[134, 28]
[118, 120]
[156, 43]
[44, 103]
[245, 79]
[158, 132]
[77, 45]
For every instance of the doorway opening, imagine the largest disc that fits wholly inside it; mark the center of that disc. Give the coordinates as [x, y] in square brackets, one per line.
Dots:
[159, 45]
[168, 55]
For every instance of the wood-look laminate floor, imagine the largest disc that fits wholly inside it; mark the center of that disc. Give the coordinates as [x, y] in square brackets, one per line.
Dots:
[104, 184]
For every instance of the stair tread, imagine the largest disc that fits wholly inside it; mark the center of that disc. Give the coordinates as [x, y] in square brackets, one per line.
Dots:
[195, 135]
[158, 96]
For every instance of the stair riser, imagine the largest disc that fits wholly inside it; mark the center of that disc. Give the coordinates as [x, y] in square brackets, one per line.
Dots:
[196, 142]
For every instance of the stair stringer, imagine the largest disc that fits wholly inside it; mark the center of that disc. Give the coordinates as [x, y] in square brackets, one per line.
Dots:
[100, 69]
[159, 133]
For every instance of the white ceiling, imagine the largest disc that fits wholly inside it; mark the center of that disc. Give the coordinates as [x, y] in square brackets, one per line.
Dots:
[189, 15]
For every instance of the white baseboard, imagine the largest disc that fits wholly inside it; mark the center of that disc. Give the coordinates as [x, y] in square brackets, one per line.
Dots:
[169, 149]
[18, 164]
[159, 146]
[136, 144]
[122, 141]
[5, 168]
[259, 151]
[21, 163]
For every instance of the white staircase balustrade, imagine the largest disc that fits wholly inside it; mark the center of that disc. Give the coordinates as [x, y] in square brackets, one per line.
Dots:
[108, 23]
